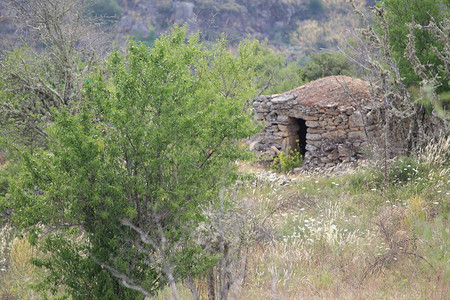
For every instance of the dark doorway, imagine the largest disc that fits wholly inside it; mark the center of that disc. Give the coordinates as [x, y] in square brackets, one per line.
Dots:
[302, 136]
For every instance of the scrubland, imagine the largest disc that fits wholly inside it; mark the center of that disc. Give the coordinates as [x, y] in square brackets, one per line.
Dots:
[348, 234]
[339, 234]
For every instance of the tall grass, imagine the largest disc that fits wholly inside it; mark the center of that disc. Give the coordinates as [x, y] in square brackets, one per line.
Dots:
[327, 236]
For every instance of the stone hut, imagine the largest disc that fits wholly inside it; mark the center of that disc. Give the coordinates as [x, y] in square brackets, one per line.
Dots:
[328, 120]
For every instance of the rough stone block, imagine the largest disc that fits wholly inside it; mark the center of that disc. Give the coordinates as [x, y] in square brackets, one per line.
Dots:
[282, 119]
[356, 119]
[325, 159]
[328, 146]
[313, 136]
[310, 118]
[344, 151]
[312, 124]
[259, 116]
[332, 135]
[289, 142]
[282, 99]
[310, 147]
[357, 135]
[342, 134]
[315, 130]
[291, 127]
[345, 159]
[314, 143]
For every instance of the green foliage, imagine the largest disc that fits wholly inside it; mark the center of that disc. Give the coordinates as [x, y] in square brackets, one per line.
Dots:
[163, 5]
[154, 141]
[406, 169]
[399, 13]
[278, 75]
[106, 8]
[4, 182]
[148, 38]
[445, 100]
[366, 180]
[324, 64]
[284, 163]
[316, 7]
[71, 271]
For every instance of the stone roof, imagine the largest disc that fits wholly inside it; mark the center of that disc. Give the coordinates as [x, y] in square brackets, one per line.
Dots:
[331, 91]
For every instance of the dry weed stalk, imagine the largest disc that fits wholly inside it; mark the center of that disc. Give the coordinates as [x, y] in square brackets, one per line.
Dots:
[400, 243]
[405, 125]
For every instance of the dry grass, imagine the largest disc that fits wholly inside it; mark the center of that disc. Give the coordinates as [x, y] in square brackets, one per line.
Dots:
[347, 236]
[332, 236]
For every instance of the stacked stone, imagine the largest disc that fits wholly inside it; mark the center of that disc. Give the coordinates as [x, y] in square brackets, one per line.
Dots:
[335, 134]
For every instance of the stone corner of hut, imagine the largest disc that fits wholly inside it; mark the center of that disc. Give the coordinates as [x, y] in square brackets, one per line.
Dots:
[327, 120]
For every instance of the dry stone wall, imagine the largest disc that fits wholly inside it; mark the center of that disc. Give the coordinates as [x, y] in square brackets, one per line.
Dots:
[326, 135]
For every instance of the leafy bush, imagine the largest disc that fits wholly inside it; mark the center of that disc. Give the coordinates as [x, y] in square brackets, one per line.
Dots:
[366, 179]
[284, 163]
[406, 169]
[278, 75]
[316, 7]
[167, 116]
[400, 13]
[4, 182]
[147, 38]
[106, 8]
[326, 64]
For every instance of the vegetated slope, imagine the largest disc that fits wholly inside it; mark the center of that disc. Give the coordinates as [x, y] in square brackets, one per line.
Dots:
[305, 24]
[300, 26]
[344, 235]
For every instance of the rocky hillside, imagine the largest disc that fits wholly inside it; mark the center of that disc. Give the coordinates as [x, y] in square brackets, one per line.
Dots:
[305, 25]
[295, 26]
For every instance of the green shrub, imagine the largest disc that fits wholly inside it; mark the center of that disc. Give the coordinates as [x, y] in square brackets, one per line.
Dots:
[148, 38]
[106, 8]
[284, 163]
[316, 7]
[406, 169]
[4, 182]
[366, 179]
[324, 63]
